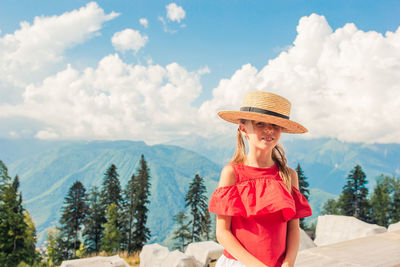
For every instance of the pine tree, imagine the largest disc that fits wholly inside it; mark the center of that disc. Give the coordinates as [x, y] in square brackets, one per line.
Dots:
[12, 222]
[182, 233]
[73, 216]
[112, 235]
[130, 202]
[141, 234]
[303, 187]
[353, 200]
[206, 225]
[111, 191]
[197, 202]
[395, 205]
[94, 222]
[380, 203]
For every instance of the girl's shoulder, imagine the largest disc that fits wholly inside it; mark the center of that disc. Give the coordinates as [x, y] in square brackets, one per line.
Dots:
[294, 180]
[228, 176]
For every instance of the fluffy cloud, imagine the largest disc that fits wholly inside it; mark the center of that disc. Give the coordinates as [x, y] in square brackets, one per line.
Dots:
[31, 52]
[144, 22]
[342, 83]
[175, 12]
[113, 101]
[129, 39]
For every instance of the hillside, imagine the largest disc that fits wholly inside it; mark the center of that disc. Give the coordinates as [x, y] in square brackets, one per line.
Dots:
[47, 174]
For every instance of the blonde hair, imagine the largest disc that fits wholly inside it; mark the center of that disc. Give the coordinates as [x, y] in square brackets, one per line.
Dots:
[278, 156]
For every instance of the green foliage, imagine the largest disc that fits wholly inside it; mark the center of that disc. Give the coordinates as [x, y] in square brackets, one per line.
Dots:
[55, 250]
[303, 187]
[330, 207]
[111, 191]
[196, 200]
[112, 236]
[385, 201]
[30, 240]
[381, 203]
[13, 227]
[73, 216]
[353, 201]
[94, 221]
[141, 199]
[82, 251]
[182, 233]
[130, 203]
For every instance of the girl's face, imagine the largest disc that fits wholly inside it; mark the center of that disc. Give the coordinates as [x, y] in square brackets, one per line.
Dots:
[261, 135]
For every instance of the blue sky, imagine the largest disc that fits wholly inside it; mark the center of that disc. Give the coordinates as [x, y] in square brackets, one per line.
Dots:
[211, 42]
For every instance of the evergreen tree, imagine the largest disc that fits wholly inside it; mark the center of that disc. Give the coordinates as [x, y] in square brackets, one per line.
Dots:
[30, 240]
[303, 184]
[94, 222]
[197, 202]
[381, 202]
[330, 207]
[130, 202]
[206, 225]
[112, 235]
[182, 233]
[141, 233]
[395, 205]
[353, 200]
[111, 192]
[73, 216]
[13, 227]
[303, 187]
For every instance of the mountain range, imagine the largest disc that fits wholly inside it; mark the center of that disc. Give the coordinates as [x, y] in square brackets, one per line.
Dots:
[47, 169]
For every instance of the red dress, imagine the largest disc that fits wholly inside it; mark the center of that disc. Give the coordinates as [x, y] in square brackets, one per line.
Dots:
[260, 206]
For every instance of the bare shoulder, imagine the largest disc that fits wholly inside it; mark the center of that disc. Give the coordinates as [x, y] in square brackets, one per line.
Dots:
[294, 178]
[228, 176]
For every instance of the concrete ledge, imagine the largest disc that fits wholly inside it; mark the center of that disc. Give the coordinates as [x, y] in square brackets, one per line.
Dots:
[376, 250]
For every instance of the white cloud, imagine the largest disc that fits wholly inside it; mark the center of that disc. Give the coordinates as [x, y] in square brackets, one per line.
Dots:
[113, 101]
[35, 50]
[144, 22]
[129, 39]
[175, 12]
[342, 84]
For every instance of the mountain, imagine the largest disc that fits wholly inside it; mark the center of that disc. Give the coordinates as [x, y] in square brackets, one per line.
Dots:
[326, 162]
[47, 171]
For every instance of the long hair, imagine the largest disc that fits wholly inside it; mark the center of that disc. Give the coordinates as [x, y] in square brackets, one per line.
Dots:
[278, 156]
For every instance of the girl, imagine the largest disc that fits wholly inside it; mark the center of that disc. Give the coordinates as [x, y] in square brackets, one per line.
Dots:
[257, 200]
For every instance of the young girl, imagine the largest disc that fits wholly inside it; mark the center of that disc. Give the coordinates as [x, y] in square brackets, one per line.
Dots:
[257, 200]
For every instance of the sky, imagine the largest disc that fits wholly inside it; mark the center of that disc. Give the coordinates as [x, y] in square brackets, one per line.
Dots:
[159, 70]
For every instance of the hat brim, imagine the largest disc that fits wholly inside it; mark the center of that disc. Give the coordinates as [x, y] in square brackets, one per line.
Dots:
[288, 126]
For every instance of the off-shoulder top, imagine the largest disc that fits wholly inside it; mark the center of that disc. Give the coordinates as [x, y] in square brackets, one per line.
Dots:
[260, 206]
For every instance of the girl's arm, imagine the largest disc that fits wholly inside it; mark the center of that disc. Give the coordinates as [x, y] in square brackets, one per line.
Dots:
[293, 231]
[224, 234]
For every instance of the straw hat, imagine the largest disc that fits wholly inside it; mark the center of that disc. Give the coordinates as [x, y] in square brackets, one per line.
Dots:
[266, 107]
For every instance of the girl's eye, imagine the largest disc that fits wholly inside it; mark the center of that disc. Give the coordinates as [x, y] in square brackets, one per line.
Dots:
[260, 124]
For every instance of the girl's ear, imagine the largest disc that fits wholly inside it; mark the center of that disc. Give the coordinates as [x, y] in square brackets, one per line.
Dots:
[243, 130]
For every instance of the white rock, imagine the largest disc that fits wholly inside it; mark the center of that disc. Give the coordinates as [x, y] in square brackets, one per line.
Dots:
[153, 255]
[205, 252]
[305, 241]
[394, 227]
[113, 261]
[336, 228]
[178, 259]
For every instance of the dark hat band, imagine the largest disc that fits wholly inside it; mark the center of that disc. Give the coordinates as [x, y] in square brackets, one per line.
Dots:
[264, 111]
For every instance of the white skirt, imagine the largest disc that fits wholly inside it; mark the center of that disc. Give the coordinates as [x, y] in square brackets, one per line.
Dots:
[226, 262]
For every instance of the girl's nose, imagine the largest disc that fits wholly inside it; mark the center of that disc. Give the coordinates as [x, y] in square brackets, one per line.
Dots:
[269, 127]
